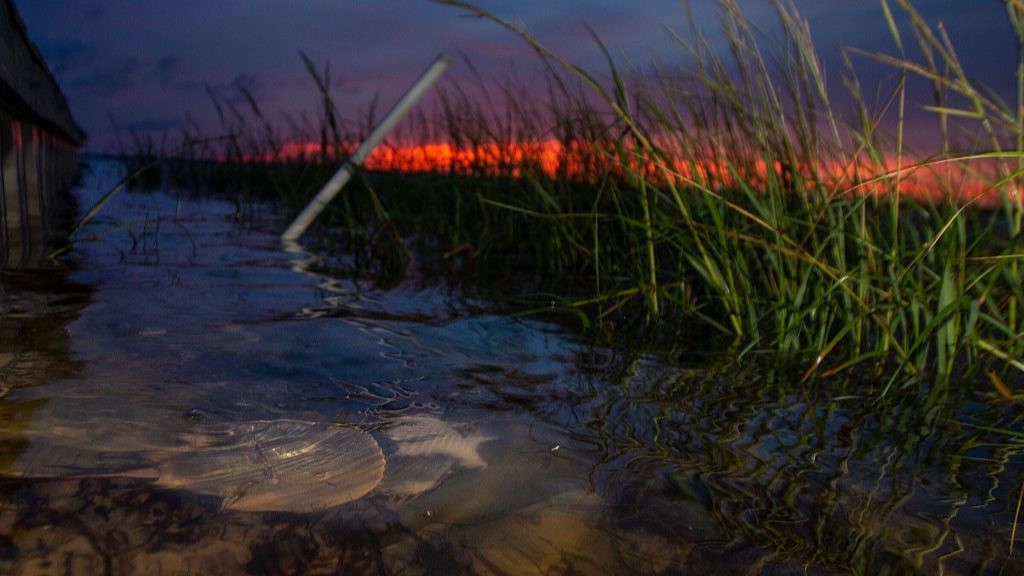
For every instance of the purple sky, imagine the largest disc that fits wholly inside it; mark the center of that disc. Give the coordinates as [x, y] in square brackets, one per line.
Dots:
[146, 63]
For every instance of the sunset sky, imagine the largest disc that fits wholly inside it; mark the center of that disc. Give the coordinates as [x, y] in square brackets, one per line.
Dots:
[146, 64]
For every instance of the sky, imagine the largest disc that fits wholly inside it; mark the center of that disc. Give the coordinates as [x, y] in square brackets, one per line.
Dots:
[148, 65]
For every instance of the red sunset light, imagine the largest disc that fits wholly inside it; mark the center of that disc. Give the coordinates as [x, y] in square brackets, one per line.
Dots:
[960, 181]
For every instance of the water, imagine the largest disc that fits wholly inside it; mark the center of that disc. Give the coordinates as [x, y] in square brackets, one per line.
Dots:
[183, 322]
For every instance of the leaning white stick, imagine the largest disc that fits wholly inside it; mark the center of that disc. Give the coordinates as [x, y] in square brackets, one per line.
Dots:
[341, 177]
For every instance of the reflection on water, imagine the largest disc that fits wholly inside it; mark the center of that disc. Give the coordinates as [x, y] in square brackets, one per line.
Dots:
[508, 447]
[35, 308]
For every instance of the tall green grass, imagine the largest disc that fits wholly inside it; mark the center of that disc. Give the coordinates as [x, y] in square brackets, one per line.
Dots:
[783, 247]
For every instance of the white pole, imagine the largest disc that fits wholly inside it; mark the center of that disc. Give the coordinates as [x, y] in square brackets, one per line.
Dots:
[341, 177]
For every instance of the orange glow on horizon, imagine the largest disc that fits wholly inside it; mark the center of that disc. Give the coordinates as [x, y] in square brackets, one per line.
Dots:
[490, 159]
[581, 161]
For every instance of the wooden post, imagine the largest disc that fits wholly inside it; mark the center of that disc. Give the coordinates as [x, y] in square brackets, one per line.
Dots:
[341, 177]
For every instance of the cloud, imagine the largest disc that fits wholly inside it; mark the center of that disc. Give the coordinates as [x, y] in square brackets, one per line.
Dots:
[116, 76]
[154, 57]
[169, 68]
[68, 55]
[162, 123]
[96, 11]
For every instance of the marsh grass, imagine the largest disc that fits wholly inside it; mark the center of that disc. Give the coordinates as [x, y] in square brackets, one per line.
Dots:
[726, 197]
[742, 200]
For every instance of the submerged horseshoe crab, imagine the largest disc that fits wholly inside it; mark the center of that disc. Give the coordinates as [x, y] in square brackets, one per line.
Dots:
[281, 466]
[261, 466]
[275, 465]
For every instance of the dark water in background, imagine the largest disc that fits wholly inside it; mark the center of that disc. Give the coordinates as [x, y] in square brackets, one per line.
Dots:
[180, 315]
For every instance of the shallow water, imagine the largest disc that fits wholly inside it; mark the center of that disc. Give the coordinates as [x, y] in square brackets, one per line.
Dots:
[182, 316]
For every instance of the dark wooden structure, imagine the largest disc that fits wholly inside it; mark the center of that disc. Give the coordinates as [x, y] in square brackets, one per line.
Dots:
[39, 143]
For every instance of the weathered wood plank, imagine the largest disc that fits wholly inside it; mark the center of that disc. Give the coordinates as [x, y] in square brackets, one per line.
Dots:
[39, 143]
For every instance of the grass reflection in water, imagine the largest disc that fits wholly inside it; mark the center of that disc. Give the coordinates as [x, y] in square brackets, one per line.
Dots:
[839, 482]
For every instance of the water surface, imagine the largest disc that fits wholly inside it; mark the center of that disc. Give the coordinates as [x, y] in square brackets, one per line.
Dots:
[177, 315]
